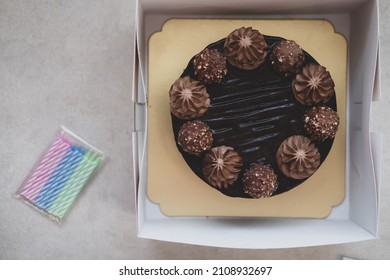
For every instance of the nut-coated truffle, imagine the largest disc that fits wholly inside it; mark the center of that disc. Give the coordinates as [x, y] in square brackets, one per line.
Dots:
[298, 157]
[245, 48]
[260, 181]
[313, 85]
[221, 166]
[287, 57]
[188, 98]
[195, 137]
[210, 66]
[321, 123]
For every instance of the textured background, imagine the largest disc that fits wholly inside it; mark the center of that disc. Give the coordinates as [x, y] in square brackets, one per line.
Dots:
[69, 63]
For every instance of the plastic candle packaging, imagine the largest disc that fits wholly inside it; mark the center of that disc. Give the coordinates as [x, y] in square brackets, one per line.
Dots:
[60, 174]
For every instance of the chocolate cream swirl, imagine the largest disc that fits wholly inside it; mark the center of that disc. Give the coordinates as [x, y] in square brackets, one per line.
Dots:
[221, 166]
[245, 48]
[188, 98]
[297, 157]
[313, 85]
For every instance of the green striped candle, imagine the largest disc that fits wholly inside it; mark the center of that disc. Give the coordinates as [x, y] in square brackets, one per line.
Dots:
[74, 185]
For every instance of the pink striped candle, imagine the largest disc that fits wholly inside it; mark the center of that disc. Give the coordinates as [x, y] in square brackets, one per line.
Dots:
[45, 169]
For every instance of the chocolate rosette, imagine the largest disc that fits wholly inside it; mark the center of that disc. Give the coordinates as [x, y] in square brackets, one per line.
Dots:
[298, 157]
[188, 98]
[313, 85]
[245, 48]
[221, 166]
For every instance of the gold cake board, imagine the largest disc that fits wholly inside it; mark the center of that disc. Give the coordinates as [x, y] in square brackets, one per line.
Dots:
[170, 181]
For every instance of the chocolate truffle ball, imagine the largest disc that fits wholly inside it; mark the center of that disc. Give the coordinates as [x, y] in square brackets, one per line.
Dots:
[297, 157]
[321, 123]
[195, 137]
[210, 66]
[188, 98]
[260, 181]
[245, 48]
[221, 166]
[313, 85]
[287, 57]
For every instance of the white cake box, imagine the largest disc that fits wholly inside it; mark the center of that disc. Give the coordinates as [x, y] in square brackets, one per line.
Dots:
[356, 219]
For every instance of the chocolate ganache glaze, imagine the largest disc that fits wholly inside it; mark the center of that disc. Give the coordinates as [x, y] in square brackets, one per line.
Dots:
[253, 111]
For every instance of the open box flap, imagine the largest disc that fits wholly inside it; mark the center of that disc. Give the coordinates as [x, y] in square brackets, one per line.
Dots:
[227, 232]
[248, 7]
[376, 149]
[244, 234]
[141, 53]
[377, 95]
[364, 37]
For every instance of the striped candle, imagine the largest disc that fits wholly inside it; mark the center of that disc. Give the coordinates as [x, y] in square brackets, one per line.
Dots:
[72, 188]
[45, 168]
[59, 201]
[60, 176]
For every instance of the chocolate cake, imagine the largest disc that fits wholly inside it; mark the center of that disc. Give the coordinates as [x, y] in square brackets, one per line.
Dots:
[254, 115]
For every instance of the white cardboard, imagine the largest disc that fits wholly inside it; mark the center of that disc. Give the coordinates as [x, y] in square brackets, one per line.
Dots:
[356, 218]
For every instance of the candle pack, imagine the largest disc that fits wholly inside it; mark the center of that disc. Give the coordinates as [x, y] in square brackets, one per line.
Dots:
[60, 174]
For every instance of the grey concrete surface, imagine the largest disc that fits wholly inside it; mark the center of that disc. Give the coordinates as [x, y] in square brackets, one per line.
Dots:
[69, 63]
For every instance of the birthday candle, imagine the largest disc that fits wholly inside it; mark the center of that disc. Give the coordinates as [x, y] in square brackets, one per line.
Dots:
[45, 168]
[68, 185]
[72, 188]
[60, 176]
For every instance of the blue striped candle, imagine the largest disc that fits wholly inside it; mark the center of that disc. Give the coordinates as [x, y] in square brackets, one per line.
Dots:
[59, 177]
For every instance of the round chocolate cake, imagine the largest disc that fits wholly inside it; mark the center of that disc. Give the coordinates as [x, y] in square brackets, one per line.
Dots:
[254, 115]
